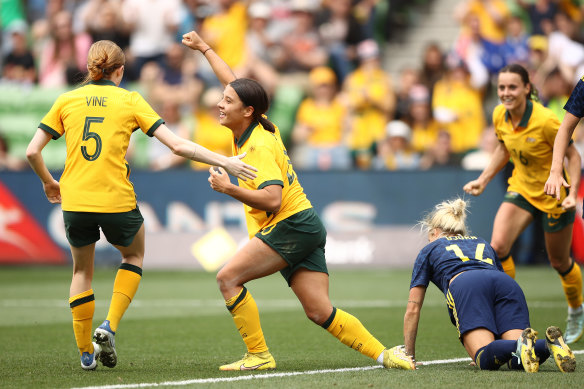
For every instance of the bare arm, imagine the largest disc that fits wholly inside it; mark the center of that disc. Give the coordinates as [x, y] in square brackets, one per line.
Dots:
[35, 159]
[187, 149]
[556, 180]
[267, 199]
[412, 318]
[574, 171]
[499, 159]
[220, 68]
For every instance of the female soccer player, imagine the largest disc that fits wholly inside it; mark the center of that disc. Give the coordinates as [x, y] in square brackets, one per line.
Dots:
[95, 191]
[556, 183]
[526, 132]
[486, 305]
[286, 234]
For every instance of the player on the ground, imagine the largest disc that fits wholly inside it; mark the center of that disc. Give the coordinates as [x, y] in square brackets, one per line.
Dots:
[95, 190]
[486, 305]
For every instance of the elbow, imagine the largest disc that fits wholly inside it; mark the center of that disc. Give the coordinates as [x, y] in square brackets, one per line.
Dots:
[274, 206]
[32, 153]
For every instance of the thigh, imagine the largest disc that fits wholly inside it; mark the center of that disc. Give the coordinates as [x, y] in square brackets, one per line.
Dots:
[121, 228]
[509, 223]
[134, 253]
[254, 260]
[474, 340]
[558, 245]
[312, 290]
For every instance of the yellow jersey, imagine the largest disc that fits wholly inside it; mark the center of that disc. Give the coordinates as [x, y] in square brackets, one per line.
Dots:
[267, 153]
[530, 145]
[98, 120]
[325, 121]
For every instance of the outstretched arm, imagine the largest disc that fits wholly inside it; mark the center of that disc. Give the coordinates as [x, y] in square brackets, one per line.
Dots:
[187, 149]
[412, 318]
[498, 161]
[35, 159]
[556, 179]
[220, 68]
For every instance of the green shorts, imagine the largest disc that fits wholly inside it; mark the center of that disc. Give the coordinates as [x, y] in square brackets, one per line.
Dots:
[300, 240]
[551, 222]
[82, 228]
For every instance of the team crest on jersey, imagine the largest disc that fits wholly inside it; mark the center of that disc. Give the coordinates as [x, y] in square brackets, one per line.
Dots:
[251, 149]
[530, 140]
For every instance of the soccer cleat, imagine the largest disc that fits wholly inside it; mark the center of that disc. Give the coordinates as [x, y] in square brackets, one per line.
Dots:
[396, 358]
[89, 361]
[525, 352]
[574, 328]
[563, 356]
[104, 337]
[252, 361]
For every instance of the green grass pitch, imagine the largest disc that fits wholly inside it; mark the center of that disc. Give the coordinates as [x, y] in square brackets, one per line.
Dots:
[177, 332]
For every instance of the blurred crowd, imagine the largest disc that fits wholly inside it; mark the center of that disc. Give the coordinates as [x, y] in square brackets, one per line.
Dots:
[322, 62]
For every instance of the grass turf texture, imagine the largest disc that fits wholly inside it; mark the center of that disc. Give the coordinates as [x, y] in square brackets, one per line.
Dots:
[177, 329]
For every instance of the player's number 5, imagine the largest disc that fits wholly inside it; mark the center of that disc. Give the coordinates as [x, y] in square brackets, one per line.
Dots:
[478, 253]
[89, 120]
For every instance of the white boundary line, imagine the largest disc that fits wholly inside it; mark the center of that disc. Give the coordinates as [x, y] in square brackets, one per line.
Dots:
[267, 375]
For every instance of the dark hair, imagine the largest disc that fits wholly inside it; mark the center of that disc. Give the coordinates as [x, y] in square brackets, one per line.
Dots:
[522, 72]
[252, 94]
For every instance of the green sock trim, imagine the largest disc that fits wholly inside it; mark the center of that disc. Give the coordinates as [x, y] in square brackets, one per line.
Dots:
[133, 268]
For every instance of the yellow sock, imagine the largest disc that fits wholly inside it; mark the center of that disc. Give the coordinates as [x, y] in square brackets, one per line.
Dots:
[244, 311]
[82, 309]
[508, 265]
[349, 330]
[125, 287]
[572, 283]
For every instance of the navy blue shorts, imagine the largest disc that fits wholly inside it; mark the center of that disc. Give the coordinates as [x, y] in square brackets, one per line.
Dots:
[487, 299]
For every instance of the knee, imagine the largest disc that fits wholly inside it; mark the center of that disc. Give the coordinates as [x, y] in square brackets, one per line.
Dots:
[317, 315]
[560, 264]
[500, 248]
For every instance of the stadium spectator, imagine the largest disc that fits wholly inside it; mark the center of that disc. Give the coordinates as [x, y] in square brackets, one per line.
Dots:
[409, 77]
[7, 160]
[340, 32]
[62, 61]
[491, 17]
[479, 159]
[96, 191]
[370, 98]
[208, 132]
[516, 46]
[395, 151]
[433, 65]
[150, 37]
[424, 128]
[103, 20]
[18, 64]
[563, 51]
[159, 156]
[555, 92]
[440, 154]
[487, 307]
[300, 49]
[458, 106]
[526, 132]
[285, 232]
[319, 133]
[541, 15]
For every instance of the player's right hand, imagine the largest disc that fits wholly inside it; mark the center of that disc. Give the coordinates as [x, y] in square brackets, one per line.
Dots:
[474, 187]
[553, 185]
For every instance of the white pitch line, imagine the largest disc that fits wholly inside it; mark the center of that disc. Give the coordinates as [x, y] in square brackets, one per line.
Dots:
[267, 375]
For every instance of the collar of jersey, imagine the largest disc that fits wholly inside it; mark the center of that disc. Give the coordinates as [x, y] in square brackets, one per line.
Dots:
[526, 114]
[102, 82]
[246, 134]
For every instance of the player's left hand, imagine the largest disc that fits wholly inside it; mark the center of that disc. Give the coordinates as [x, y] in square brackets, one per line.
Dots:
[219, 179]
[53, 192]
[569, 203]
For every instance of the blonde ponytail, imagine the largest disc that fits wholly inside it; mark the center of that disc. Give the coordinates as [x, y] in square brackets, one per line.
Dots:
[449, 216]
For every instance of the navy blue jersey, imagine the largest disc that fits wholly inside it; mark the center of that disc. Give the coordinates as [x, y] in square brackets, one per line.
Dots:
[444, 258]
[575, 104]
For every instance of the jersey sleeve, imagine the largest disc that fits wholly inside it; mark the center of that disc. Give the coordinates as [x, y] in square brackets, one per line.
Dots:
[421, 272]
[148, 120]
[575, 104]
[52, 122]
[497, 122]
[269, 173]
[550, 129]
